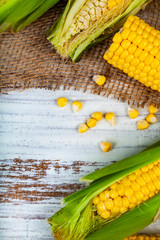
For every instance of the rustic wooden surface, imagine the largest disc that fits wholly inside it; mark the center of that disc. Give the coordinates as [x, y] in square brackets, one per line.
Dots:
[43, 156]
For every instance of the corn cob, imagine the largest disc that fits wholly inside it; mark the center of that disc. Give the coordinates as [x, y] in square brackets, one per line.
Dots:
[144, 237]
[18, 14]
[84, 21]
[122, 199]
[129, 192]
[136, 51]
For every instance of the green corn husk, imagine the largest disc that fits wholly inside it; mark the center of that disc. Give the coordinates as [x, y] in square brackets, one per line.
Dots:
[77, 221]
[18, 14]
[68, 45]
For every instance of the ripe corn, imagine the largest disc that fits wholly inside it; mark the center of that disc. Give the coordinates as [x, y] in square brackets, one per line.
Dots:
[144, 237]
[111, 118]
[76, 106]
[133, 113]
[99, 79]
[82, 128]
[151, 118]
[83, 22]
[97, 115]
[136, 51]
[129, 192]
[91, 122]
[152, 108]
[105, 146]
[142, 124]
[114, 205]
[62, 102]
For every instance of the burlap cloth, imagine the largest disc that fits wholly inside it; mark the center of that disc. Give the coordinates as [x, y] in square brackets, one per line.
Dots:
[28, 60]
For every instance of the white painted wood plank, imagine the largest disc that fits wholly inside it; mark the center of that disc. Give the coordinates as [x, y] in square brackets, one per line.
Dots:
[32, 126]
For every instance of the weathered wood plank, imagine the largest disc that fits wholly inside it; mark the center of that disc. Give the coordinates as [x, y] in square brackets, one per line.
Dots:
[43, 156]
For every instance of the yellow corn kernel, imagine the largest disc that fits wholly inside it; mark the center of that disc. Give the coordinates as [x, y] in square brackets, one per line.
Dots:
[117, 38]
[105, 214]
[76, 106]
[142, 124]
[152, 108]
[125, 33]
[91, 122]
[97, 115]
[111, 4]
[152, 118]
[133, 113]
[105, 146]
[82, 128]
[99, 79]
[101, 206]
[111, 118]
[109, 204]
[113, 193]
[125, 44]
[62, 102]
[96, 200]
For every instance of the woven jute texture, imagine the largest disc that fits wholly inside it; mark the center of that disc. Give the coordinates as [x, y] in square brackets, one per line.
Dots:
[28, 60]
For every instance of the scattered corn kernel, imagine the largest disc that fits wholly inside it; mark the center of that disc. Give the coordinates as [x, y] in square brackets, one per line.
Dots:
[82, 128]
[142, 124]
[133, 113]
[99, 79]
[91, 122]
[110, 117]
[97, 115]
[62, 102]
[152, 108]
[76, 106]
[105, 146]
[152, 118]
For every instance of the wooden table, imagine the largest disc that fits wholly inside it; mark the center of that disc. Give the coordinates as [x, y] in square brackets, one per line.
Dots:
[43, 155]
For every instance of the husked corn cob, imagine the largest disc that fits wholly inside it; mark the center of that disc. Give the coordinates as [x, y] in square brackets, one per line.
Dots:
[86, 21]
[144, 237]
[136, 51]
[129, 192]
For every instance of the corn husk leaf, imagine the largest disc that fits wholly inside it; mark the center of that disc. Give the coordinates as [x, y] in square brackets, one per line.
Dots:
[77, 219]
[69, 46]
[18, 13]
[128, 162]
[18, 26]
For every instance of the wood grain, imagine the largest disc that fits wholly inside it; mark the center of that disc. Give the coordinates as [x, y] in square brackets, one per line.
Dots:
[43, 156]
